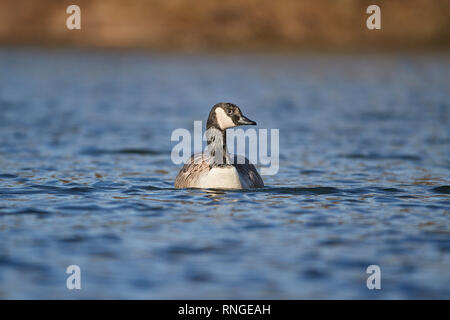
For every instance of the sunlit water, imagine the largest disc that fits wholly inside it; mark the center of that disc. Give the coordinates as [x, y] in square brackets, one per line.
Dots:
[86, 177]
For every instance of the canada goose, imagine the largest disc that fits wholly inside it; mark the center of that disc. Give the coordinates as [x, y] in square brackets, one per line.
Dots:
[214, 168]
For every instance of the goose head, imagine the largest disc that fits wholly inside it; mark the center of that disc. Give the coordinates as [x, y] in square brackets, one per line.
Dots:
[226, 115]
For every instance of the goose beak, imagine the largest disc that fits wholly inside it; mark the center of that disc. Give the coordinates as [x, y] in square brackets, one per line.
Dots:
[243, 120]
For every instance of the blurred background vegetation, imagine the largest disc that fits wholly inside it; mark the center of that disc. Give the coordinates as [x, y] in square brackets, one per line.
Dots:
[209, 25]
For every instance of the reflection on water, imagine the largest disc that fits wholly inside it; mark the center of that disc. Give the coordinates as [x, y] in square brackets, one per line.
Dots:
[86, 177]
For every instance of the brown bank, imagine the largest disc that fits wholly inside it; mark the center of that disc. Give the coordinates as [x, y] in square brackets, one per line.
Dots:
[228, 25]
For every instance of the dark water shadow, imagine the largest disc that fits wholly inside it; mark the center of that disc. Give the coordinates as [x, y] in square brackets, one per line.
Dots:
[282, 190]
[137, 151]
[24, 211]
[8, 176]
[63, 190]
[442, 189]
[376, 156]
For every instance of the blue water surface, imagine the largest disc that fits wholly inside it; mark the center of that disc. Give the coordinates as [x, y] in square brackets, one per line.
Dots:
[86, 176]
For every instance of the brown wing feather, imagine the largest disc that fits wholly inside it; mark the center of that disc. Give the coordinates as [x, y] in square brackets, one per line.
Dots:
[191, 171]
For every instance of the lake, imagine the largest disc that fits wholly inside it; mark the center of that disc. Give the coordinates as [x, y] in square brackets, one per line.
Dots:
[86, 176]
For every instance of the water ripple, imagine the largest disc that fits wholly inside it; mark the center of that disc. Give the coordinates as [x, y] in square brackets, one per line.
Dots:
[86, 177]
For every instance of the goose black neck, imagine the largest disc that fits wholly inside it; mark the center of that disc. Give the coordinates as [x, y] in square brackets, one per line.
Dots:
[217, 144]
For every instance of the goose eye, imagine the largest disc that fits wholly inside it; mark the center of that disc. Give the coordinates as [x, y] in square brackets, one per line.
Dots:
[230, 111]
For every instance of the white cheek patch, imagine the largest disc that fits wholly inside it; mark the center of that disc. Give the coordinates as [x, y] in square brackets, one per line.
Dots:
[223, 119]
